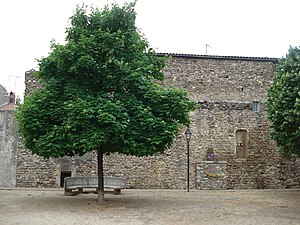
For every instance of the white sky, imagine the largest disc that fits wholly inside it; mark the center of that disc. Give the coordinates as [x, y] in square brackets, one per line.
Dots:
[259, 28]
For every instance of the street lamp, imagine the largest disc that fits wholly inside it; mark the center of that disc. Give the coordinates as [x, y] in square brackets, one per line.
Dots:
[188, 135]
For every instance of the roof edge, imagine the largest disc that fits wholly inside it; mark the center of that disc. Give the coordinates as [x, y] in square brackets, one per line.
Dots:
[244, 58]
[8, 107]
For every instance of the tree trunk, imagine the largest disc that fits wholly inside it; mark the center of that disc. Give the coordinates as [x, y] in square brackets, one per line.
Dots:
[100, 175]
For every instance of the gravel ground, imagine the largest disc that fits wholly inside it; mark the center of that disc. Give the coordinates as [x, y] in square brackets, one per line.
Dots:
[134, 207]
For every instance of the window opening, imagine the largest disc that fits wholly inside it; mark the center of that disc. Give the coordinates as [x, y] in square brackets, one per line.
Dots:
[255, 106]
[241, 150]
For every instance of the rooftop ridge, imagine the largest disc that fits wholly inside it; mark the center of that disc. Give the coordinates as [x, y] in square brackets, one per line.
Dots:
[247, 58]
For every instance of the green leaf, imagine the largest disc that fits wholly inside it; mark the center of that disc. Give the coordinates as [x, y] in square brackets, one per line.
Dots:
[283, 103]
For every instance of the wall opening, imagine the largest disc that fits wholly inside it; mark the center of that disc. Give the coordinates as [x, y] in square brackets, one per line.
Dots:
[241, 150]
[63, 175]
[255, 106]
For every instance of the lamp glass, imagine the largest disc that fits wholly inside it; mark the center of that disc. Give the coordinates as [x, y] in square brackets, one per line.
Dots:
[188, 134]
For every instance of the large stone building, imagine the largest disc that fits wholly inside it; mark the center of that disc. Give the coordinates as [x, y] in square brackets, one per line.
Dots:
[230, 146]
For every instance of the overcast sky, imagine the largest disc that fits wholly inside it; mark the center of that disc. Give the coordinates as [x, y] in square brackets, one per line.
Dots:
[259, 28]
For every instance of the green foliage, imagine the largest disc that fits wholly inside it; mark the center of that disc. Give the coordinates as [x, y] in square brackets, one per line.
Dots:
[284, 103]
[102, 90]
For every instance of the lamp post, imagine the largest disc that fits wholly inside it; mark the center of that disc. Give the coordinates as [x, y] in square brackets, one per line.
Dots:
[188, 135]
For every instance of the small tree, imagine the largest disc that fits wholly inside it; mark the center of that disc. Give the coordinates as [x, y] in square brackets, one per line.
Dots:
[102, 91]
[284, 103]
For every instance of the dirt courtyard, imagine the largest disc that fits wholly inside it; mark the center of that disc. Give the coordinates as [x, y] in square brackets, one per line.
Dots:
[50, 206]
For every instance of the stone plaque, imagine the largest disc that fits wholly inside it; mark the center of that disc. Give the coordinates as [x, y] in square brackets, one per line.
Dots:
[211, 175]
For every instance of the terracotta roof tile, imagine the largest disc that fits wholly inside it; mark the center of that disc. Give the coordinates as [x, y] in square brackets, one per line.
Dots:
[8, 107]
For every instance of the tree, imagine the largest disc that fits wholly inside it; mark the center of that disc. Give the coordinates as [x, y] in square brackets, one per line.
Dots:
[284, 103]
[102, 90]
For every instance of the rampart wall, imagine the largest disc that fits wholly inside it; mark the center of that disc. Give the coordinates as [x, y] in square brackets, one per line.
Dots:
[230, 122]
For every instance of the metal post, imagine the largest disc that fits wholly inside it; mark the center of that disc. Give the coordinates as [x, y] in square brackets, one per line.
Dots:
[188, 165]
[188, 135]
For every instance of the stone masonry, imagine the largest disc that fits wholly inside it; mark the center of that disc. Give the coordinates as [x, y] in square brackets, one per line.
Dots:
[8, 142]
[3, 96]
[230, 123]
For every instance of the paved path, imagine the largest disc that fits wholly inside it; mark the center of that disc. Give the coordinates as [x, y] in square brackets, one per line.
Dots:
[134, 207]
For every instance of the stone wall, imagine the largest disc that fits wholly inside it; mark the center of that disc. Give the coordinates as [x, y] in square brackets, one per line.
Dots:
[8, 149]
[3, 96]
[140, 172]
[226, 89]
[221, 78]
[31, 83]
[215, 127]
[212, 175]
[35, 171]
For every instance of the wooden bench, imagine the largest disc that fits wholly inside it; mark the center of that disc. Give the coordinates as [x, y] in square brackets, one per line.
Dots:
[75, 185]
